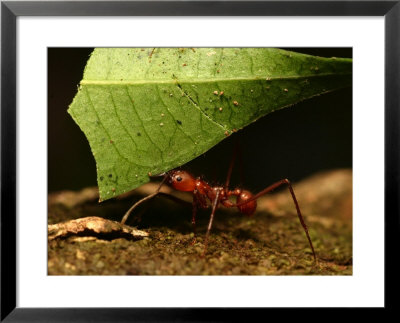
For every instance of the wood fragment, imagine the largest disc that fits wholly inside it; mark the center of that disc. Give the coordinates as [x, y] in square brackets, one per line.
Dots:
[94, 226]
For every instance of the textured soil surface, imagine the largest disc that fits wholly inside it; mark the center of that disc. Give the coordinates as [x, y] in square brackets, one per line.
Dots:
[272, 242]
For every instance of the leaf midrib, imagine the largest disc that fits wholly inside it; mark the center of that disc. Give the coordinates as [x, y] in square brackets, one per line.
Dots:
[205, 80]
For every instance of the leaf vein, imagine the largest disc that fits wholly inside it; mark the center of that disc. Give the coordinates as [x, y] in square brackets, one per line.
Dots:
[198, 107]
[120, 121]
[105, 129]
[143, 127]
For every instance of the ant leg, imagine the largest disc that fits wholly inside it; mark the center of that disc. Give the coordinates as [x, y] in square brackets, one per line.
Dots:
[214, 207]
[271, 188]
[148, 197]
[194, 213]
[194, 209]
[195, 205]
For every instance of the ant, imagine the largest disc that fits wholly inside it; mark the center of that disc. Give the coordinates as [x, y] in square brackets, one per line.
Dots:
[246, 202]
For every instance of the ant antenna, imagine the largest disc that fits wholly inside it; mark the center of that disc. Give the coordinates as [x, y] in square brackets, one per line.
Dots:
[148, 197]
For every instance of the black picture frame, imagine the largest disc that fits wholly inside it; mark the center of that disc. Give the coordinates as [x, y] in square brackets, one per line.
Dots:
[11, 10]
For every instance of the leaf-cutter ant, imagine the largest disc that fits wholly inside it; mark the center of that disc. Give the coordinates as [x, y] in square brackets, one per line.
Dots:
[246, 202]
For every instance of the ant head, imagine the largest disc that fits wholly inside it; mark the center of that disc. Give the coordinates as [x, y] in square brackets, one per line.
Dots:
[181, 180]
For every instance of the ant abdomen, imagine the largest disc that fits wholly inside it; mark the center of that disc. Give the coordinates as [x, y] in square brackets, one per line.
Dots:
[248, 208]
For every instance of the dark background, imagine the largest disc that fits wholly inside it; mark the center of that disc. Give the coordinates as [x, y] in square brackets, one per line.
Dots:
[295, 142]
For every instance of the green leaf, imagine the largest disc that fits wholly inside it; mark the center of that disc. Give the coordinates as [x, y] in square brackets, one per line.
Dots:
[151, 110]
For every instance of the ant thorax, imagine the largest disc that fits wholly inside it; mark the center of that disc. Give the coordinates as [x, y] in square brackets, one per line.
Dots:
[212, 193]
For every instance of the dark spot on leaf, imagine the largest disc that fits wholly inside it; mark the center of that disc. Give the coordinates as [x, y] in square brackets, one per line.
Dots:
[101, 178]
[110, 175]
[179, 122]
[139, 134]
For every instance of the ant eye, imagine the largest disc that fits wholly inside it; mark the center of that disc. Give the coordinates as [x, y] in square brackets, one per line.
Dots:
[178, 178]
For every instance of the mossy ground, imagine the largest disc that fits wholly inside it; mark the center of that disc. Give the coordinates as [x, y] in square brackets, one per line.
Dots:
[269, 243]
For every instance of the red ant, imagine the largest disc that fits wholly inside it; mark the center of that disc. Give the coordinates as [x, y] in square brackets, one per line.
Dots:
[245, 201]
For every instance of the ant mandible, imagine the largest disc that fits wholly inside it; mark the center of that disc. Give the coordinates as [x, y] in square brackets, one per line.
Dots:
[246, 202]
